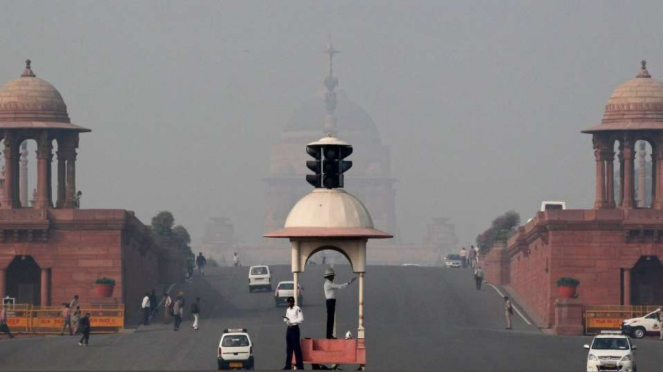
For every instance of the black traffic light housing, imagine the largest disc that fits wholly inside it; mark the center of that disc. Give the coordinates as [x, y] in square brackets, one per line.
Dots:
[329, 164]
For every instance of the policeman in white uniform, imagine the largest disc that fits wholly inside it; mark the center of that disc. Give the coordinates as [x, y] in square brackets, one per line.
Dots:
[330, 295]
[293, 317]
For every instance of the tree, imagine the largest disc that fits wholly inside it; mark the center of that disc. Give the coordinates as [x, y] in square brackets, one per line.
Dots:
[162, 224]
[500, 230]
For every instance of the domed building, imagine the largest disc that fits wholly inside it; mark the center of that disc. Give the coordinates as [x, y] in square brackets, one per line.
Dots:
[615, 250]
[53, 249]
[370, 176]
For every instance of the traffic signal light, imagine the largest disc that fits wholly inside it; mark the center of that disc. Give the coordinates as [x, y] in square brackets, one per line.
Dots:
[315, 165]
[333, 165]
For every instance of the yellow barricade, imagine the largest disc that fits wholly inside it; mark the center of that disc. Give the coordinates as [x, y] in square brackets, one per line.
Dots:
[610, 317]
[48, 319]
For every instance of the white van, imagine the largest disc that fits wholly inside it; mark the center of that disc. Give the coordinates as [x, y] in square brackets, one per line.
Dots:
[639, 327]
[552, 205]
[235, 350]
[260, 277]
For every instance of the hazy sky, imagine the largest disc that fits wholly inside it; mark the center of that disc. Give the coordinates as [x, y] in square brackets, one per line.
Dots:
[482, 103]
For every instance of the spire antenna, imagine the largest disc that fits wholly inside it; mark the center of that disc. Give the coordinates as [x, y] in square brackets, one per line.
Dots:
[28, 70]
[643, 70]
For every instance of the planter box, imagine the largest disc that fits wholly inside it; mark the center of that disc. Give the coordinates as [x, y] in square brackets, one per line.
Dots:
[567, 291]
[104, 290]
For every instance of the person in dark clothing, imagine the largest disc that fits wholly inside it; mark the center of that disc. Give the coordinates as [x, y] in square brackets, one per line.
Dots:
[201, 261]
[4, 328]
[153, 303]
[84, 325]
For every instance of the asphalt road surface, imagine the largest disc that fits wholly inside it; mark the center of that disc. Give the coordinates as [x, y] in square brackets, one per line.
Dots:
[416, 319]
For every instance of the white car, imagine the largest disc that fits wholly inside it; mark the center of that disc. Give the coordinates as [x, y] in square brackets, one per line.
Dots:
[639, 327]
[453, 260]
[285, 290]
[260, 278]
[235, 350]
[611, 351]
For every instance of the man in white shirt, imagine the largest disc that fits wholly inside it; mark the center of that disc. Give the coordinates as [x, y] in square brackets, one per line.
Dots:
[146, 309]
[330, 295]
[463, 257]
[293, 318]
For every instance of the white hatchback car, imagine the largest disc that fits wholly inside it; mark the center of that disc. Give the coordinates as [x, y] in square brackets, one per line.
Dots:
[611, 351]
[235, 350]
[260, 277]
[285, 290]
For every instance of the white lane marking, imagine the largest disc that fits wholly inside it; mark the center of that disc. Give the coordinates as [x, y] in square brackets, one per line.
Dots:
[514, 306]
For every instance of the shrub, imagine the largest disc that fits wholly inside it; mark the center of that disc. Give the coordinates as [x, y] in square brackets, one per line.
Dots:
[567, 282]
[105, 280]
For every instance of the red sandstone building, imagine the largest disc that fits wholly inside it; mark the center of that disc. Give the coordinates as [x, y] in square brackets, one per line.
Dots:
[615, 249]
[53, 250]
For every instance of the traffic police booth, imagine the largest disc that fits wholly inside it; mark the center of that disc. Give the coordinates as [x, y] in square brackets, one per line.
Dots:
[329, 218]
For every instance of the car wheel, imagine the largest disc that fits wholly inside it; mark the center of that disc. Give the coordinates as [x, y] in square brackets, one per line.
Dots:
[639, 332]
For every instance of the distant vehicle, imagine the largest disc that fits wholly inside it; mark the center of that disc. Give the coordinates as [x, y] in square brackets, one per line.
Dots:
[639, 327]
[453, 261]
[552, 205]
[285, 290]
[611, 351]
[410, 264]
[235, 350]
[260, 277]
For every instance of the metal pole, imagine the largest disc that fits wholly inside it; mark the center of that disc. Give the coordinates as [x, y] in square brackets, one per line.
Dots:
[360, 330]
[296, 283]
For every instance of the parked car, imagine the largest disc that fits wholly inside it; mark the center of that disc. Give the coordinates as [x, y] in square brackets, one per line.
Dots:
[260, 278]
[639, 327]
[611, 351]
[285, 290]
[453, 260]
[235, 350]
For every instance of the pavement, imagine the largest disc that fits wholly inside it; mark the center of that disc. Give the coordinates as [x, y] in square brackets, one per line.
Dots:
[416, 319]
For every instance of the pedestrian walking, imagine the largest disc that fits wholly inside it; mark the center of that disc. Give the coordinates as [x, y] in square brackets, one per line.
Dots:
[236, 261]
[178, 310]
[478, 277]
[168, 308]
[75, 319]
[85, 330]
[195, 311]
[73, 303]
[66, 319]
[4, 327]
[146, 309]
[293, 318]
[508, 311]
[471, 256]
[154, 304]
[201, 261]
[330, 289]
[463, 257]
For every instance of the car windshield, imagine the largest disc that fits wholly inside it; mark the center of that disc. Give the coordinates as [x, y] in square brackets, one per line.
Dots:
[610, 344]
[235, 341]
[452, 257]
[286, 286]
[259, 271]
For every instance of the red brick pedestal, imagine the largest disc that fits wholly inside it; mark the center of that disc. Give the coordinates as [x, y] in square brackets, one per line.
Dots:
[568, 317]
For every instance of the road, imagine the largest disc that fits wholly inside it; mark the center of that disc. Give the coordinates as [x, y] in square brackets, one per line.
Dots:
[417, 318]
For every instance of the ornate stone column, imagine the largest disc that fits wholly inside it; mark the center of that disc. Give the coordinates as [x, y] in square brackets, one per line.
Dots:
[642, 176]
[44, 153]
[11, 154]
[610, 177]
[600, 154]
[627, 185]
[657, 171]
[70, 155]
[23, 175]
[62, 173]
[360, 329]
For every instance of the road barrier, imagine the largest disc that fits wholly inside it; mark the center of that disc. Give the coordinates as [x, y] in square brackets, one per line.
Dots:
[610, 317]
[23, 318]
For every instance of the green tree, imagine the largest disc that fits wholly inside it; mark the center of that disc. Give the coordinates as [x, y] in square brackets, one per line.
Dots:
[500, 230]
[162, 224]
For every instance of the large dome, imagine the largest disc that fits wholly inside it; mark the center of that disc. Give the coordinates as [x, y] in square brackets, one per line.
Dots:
[30, 98]
[352, 120]
[635, 105]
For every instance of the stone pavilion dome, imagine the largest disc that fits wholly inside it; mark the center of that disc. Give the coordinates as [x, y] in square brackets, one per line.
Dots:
[635, 105]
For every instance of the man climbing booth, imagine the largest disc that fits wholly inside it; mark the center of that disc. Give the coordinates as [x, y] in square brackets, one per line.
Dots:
[330, 218]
